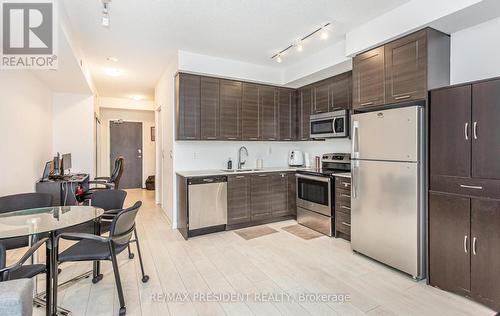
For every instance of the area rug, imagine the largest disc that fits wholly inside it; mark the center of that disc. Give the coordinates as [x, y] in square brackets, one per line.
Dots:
[255, 232]
[302, 232]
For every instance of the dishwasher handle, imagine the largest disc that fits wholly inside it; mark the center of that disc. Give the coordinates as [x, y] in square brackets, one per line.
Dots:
[207, 180]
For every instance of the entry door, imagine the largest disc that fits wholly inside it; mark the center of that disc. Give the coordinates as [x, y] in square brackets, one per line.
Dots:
[126, 141]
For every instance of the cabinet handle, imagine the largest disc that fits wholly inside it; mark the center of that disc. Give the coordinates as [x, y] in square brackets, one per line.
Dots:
[465, 243]
[262, 175]
[345, 207]
[403, 97]
[346, 184]
[466, 130]
[345, 195]
[366, 103]
[347, 224]
[475, 130]
[474, 245]
[208, 180]
[253, 138]
[475, 187]
[232, 138]
[240, 177]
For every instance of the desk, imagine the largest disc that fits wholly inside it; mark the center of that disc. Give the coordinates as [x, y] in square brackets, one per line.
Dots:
[46, 221]
[63, 190]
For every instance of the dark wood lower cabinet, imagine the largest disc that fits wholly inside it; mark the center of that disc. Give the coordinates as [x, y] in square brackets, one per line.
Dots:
[485, 252]
[258, 198]
[464, 243]
[449, 242]
[238, 199]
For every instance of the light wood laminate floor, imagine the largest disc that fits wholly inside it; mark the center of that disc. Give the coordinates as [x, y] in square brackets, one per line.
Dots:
[224, 263]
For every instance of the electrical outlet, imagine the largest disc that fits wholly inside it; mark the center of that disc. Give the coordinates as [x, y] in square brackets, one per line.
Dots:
[269, 150]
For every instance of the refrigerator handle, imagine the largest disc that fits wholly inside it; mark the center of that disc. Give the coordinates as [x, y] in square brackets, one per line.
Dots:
[354, 180]
[355, 140]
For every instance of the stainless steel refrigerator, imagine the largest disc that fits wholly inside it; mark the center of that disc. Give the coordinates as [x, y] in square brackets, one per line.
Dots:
[388, 188]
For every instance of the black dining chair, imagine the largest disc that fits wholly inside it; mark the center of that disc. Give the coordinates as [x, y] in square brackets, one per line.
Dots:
[18, 270]
[18, 202]
[90, 247]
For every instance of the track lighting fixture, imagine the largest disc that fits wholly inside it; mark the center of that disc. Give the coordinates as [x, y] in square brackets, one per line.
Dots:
[298, 44]
[105, 13]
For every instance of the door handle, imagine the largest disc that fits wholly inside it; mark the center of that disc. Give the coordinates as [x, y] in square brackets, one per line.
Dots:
[366, 103]
[355, 139]
[346, 224]
[475, 130]
[345, 207]
[345, 195]
[465, 243]
[466, 130]
[474, 245]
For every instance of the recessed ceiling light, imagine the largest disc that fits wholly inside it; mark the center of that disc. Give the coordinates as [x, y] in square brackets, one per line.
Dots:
[278, 59]
[137, 97]
[299, 47]
[324, 34]
[113, 72]
[113, 59]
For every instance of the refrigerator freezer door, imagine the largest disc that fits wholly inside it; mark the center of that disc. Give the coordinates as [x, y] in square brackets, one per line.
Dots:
[386, 223]
[387, 135]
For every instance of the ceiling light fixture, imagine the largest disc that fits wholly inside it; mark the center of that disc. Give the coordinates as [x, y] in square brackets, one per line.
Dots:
[298, 43]
[113, 59]
[113, 72]
[105, 13]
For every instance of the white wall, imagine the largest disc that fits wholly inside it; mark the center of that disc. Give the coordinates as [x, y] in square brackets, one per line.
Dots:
[475, 52]
[227, 68]
[165, 99]
[148, 146]
[123, 103]
[25, 129]
[214, 155]
[73, 128]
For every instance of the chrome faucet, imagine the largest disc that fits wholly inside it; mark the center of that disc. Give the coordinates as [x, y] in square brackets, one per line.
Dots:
[241, 163]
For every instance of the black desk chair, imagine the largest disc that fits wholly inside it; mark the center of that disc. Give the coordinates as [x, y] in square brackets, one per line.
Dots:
[95, 248]
[18, 270]
[113, 181]
[18, 202]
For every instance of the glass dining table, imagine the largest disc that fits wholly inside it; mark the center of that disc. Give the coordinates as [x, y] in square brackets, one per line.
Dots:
[46, 222]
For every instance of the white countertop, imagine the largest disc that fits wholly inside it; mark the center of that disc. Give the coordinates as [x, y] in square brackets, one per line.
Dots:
[221, 172]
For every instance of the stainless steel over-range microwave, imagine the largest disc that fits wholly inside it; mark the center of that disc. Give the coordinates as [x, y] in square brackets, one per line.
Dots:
[330, 124]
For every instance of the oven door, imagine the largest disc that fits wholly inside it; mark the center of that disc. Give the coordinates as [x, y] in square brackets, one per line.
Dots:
[314, 193]
[322, 127]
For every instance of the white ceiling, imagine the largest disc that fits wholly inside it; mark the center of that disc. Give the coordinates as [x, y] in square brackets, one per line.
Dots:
[144, 33]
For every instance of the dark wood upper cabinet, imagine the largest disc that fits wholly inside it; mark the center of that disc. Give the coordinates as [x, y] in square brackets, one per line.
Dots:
[287, 114]
[485, 130]
[188, 107]
[450, 136]
[250, 112]
[485, 257]
[368, 78]
[230, 109]
[209, 108]
[449, 242]
[261, 196]
[238, 199]
[402, 70]
[322, 96]
[341, 92]
[269, 112]
[406, 68]
[304, 112]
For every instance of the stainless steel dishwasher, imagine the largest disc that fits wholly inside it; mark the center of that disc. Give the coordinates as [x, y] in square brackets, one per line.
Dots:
[207, 205]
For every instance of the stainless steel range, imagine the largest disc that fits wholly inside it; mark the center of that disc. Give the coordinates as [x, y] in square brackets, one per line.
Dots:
[316, 193]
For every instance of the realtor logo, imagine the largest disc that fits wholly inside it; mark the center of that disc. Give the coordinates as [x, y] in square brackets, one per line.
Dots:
[28, 35]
